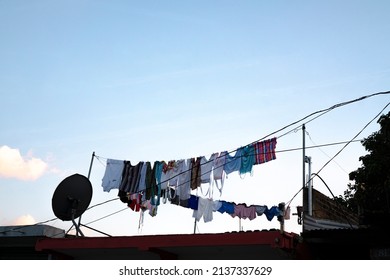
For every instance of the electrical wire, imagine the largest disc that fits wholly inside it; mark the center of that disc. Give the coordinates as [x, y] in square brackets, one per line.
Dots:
[349, 142]
[324, 111]
[109, 215]
[323, 181]
[308, 134]
[320, 112]
[346, 144]
[104, 202]
[316, 146]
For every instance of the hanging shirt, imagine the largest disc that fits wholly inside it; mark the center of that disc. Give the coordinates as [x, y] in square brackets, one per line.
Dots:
[218, 172]
[150, 181]
[135, 202]
[205, 210]
[158, 170]
[183, 189]
[226, 207]
[233, 163]
[113, 174]
[142, 180]
[206, 168]
[218, 166]
[177, 167]
[247, 159]
[193, 202]
[123, 196]
[195, 173]
[125, 176]
[166, 174]
[217, 205]
[260, 209]
[242, 211]
[274, 211]
[265, 151]
[287, 213]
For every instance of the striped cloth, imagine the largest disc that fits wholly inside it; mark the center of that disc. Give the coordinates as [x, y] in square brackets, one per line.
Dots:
[265, 150]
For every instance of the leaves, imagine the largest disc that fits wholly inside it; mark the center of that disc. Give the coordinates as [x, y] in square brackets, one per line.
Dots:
[370, 192]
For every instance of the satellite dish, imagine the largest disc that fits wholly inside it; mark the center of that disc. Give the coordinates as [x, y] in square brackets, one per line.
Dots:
[71, 198]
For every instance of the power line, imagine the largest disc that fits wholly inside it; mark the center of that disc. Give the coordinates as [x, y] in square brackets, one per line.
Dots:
[324, 111]
[317, 146]
[349, 142]
[308, 134]
[346, 144]
[320, 112]
[109, 215]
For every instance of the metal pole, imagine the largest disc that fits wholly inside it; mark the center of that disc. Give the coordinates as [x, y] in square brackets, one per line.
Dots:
[309, 189]
[90, 166]
[304, 155]
[195, 227]
[89, 175]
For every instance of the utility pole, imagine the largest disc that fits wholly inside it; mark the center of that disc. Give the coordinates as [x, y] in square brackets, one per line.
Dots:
[309, 188]
[304, 155]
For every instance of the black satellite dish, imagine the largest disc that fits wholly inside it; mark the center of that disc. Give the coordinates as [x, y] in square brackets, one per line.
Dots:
[71, 198]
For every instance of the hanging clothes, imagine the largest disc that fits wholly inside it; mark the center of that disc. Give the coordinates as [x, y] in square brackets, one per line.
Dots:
[274, 211]
[226, 207]
[233, 163]
[265, 150]
[247, 159]
[173, 170]
[146, 168]
[125, 176]
[206, 168]
[287, 213]
[135, 202]
[180, 202]
[260, 209]
[195, 173]
[218, 172]
[244, 212]
[166, 173]
[150, 182]
[174, 173]
[183, 189]
[193, 202]
[205, 210]
[158, 170]
[131, 177]
[113, 174]
[123, 196]
[217, 205]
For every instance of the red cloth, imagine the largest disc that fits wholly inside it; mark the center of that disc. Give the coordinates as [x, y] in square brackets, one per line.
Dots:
[265, 150]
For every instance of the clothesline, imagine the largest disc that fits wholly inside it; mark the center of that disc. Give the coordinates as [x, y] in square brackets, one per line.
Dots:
[205, 207]
[142, 186]
[122, 175]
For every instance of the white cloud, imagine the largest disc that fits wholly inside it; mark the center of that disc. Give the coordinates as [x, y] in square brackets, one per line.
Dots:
[14, 165]
[24, 220]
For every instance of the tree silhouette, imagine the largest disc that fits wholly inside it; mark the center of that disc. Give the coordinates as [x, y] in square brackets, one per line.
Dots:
[369, 195]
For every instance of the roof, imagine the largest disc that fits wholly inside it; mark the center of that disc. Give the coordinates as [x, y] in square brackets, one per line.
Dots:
[18, 242]
[348, 243]
[31, 230]
[234, 245]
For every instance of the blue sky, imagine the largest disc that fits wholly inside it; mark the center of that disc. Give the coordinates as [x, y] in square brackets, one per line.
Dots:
[162, 80]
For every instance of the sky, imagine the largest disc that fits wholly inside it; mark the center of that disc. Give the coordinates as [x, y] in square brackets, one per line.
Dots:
[169, 80]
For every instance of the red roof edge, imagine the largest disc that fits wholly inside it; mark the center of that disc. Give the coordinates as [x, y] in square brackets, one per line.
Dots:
[274, 238]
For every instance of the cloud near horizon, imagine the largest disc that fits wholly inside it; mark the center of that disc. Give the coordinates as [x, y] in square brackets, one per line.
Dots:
[24, 220]
[14, 165]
